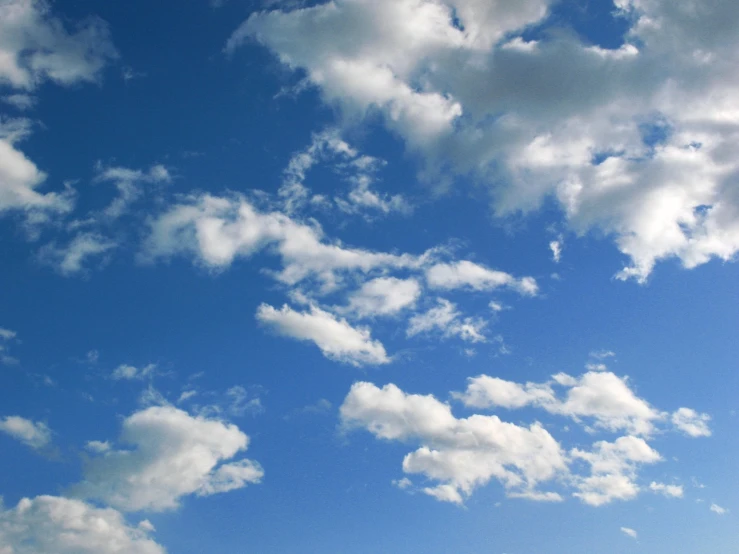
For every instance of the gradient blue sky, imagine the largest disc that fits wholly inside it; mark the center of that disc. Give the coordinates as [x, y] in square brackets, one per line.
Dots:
[414, 276]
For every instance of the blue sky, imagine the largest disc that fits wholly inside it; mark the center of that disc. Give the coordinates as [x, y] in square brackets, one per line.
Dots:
[368, 276]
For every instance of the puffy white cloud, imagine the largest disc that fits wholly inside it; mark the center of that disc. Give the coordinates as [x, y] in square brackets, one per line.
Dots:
[600, 395]
[692, 423]
[459, 454]
[716, 509]
[629, 532]
[172, 454]
[467, 274]
[613, 469]
[35, 46]
[672, 491]
[449, 321]
[384, 296]
[639, 141]
[336, 338]
[35, 434]
[47, 524]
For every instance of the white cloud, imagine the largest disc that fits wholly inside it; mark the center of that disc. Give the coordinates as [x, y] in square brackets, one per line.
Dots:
[20, 102]
[72, 258]
[459, 454]
[556, 247]
[172, 454]
[336, 338]
[35, 46]
[467, 274]
[34, 434]
[671, 491]
[629, 532]
[128, 372]
[639, 141]
[7, 334]
[128, 183]
[449, 321]
[216, 230]
[384, 296]
[716, 509]
[19, 176]
[356, 169]
[601, 395]
[692, 423]
[48, 524]
[613, 470]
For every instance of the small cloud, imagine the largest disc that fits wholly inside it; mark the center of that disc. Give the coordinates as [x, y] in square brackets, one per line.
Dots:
[403, 483]
[716, 509]
[602, 354]
[34, 434]
[674, 491]
[692, 423]
[186, 395]
[596, 367]
[630, 532]
[98, 447]
[128, 74]
[129, 373]
[556, 247]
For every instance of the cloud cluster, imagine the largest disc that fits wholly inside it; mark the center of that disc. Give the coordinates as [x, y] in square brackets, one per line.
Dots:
[638, 141]
[459, 454]
[217, 230]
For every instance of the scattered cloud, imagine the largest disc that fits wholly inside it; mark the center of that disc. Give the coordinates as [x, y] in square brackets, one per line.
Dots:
[128, 372]
[716, 509]
[35, 434]
[629, 532]
[671, 491]
[446, 319]
[71, 259]
[692, 423]
[336, 338]
[384, 296]
[468, 274]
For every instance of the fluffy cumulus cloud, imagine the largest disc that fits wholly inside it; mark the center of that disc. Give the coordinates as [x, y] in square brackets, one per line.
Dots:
[638, 141]
[35, 434]
[600, 397]
[336, 338]
[613, 468]
[384, 296]
[165, 454]
[68, 526]
[460, 454]
[457, 455]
